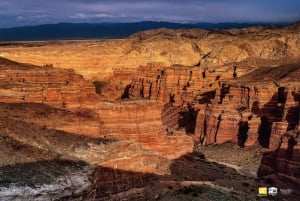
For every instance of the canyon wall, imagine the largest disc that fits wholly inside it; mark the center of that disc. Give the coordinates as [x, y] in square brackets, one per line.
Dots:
[69, 103]
[253, 115]
[284, 161]
[65, 99]
[141, 122]
[56, 87]
[46, 163]
[253, 108]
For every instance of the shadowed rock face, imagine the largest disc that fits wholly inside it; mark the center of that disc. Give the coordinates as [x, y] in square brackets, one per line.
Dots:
[283, 163]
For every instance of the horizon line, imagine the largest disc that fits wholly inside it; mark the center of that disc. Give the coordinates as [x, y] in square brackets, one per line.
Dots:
[144, 21]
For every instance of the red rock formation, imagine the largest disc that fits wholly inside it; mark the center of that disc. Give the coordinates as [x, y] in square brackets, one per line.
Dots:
[84, 122]
[284, 161]
[244, 110]
[56, 87]
[137, 121]
[176, 84]
[140, 121]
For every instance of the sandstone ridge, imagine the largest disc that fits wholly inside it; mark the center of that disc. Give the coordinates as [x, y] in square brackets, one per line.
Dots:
[98, 59]
[80, 109]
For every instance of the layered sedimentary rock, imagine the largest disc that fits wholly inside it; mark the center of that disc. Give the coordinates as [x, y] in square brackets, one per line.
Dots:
[168, 88]
[254, 46]
[141, 121]
[284, 161]
[56, 87]
[40, 91]
[84, 122]
[39, 163]
[69, 91]
[274, 98]
[107, 152]
[257, 111]
[176, 84]
[254, 108]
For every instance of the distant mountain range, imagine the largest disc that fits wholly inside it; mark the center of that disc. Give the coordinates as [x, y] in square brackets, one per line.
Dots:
[102, 30]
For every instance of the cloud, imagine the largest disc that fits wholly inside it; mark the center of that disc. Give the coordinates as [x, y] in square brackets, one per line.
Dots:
[54, 11]
[91, 16]
[78, 16]
[104, 15]
[19, 18]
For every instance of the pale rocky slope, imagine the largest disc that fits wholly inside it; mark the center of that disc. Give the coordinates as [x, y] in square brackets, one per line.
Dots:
[98, 59]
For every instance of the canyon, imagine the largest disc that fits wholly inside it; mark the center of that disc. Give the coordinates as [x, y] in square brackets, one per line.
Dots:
[127, 118]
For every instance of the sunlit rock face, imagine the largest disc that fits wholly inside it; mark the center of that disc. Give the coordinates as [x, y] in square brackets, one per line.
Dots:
[141, 121]
[56, 87]
[138, 121]
[99, 59]
[249, 109]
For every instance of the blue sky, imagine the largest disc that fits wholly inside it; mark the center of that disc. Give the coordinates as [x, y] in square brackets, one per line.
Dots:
[33, 12]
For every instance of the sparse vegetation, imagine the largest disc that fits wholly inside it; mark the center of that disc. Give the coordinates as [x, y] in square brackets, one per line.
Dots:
[203, 193]
[246, 157]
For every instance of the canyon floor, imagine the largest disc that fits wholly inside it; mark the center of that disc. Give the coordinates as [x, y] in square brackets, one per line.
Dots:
[164, 114]
[191, 177]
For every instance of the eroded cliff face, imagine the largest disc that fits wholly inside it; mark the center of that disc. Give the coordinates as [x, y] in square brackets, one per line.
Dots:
[283, 163]
[97, 60]
[43, 163]
[179, 85]
[252, 116]
[246, 108]
[255, 108]
[56, 87]
[51, 150]
[140, 121]
[81, 111]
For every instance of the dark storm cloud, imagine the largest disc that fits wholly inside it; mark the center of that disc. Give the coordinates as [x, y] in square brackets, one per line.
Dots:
[27, 12]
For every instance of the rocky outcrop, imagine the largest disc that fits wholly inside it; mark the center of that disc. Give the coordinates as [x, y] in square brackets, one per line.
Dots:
[72, 181]
[252, 108]
[98, 151]
[39, 163]
[178, 85]
[82, 122]
[252, 115]
[140, 121]
[56, 87]
[284, 161]
[136, 121]
[53, 98]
